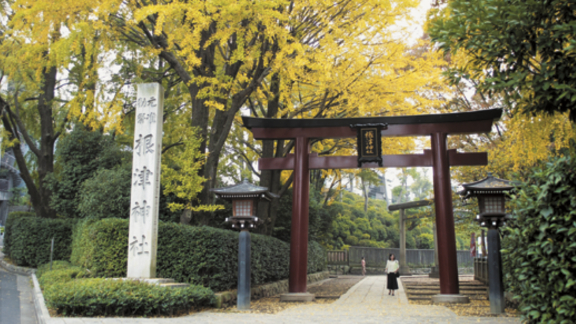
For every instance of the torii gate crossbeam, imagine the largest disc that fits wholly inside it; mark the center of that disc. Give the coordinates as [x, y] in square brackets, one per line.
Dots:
[438, 127]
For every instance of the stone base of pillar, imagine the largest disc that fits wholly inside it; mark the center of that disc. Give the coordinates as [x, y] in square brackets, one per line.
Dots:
[297, 297]
[434, 272]
[404, 271]
[454, 299]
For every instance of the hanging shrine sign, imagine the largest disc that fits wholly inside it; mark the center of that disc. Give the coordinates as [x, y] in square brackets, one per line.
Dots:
[145, 192]
[369, 142]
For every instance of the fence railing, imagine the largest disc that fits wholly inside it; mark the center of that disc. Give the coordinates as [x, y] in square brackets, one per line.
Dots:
[376, 257]
[338, 257]
[481, 270]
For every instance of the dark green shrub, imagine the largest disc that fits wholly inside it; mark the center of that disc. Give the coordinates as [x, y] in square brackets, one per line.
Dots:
[68, 292]
[101, 246]
[79, 154]
[106, 193]
[12, 217]
[102, 297]
[539, 252]
[199, 255]
[317, 257]
[29, 239]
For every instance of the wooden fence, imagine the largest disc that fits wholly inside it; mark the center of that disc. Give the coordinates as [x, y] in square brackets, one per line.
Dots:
[481, 270]
[376, 257]
[338, 257]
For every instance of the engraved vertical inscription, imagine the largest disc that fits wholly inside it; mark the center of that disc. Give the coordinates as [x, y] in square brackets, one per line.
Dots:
[143, 234]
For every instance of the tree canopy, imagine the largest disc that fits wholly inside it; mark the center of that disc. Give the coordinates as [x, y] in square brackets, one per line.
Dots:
[524, 49]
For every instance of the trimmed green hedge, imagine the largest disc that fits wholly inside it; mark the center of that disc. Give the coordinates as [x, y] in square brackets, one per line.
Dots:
[28, 239]
[12, 217]
[62, 271]
[199, 255]
[539, 255]
[69, 292]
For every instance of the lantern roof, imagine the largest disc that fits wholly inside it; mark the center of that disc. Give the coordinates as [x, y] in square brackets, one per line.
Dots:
[487, 186]
[244, 189]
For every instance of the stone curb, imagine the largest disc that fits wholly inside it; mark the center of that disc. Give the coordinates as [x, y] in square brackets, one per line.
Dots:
[42, 313]
[12, 268]
[402, 293]
[228, 298]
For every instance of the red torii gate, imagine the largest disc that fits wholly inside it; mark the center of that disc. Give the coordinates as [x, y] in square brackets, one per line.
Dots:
[438, 127]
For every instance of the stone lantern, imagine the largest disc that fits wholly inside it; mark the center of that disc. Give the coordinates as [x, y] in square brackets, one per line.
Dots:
[245, 197]
[491, 194]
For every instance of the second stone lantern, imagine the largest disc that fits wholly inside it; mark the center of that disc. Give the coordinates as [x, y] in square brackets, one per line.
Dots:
[491, 194]
[245, 197]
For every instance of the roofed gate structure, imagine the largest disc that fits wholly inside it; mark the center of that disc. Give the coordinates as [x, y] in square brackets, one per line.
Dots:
[437, 127]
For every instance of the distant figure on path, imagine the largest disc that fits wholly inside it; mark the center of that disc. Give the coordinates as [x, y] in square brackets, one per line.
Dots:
[392, 267]
[363, 262]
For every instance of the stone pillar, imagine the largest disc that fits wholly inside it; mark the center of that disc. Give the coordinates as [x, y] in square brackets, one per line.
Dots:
[496, 286]
[243, 301]
[145, 193]
[404, 270]
[435, 272]
[449, 288]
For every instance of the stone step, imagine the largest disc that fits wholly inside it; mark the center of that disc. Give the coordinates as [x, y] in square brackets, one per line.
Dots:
[432, 293]
[174, 285]
[461, 284]
[430, 298]
[438, 288]
[158, 281]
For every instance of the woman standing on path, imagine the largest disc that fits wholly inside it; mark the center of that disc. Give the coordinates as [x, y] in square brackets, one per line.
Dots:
[363, 266]
[392, 267]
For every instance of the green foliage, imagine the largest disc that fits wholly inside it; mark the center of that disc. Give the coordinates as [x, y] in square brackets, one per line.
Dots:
[199, 255]
[106, 194]
[524, 48]
[101, 246]
[12, 217]
[539, 255]
[426, 241]
[61, 271]
[19, 196]
[79, 155]
[68, 292]
[29, 239]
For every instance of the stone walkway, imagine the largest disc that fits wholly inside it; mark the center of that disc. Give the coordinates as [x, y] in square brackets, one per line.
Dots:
[16, 303]
[366, 302]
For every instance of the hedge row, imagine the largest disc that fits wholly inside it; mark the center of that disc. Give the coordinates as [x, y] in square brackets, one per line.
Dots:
[539, 255]
[12, 217]
[198, 255]
[28, 239]
[70, 293]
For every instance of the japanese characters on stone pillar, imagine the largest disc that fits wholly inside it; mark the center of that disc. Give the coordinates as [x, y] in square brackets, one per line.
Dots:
[143, 234]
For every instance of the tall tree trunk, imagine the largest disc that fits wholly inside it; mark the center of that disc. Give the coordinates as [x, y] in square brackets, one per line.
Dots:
[39, 195]
[47, 139]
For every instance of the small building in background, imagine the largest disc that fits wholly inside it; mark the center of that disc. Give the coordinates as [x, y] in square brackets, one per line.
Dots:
[9, 180]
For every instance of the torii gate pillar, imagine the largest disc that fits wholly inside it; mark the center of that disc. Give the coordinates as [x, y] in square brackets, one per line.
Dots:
[300, 202]
[449, 290]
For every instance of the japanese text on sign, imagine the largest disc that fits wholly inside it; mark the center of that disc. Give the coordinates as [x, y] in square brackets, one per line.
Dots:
[369, 142]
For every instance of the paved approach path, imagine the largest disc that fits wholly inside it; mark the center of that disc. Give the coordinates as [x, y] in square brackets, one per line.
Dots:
[366, 302]
[16, 303]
